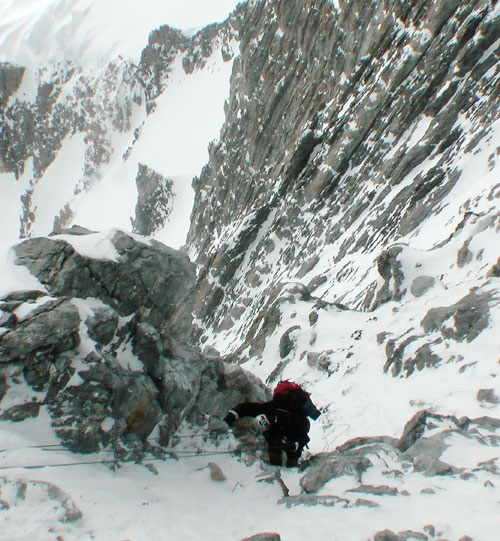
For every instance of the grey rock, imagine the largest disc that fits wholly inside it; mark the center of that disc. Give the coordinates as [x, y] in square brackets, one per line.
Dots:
[154, 202]
[488, 465]
[312, 500]
[7, 320]
[429, 529]
[431, 467]
[216, 473]
[307, 267]
[10, 306]
[102, 325]
[386, 535]
[75, 229]
[11, 77]
[361, 502]
[421, 285]
[150, 286]
[3, 386]
[23, 296]
[487, 395]
[424, 358]
[322, 361]
[267, 536]
[495, 270]
[411, 535]
[54, 326]
[127, 285]
[316, 281]
[395, 354]
[297, 169]
[108, 391]
[464, 255]
[381, 490]
[345, 460]
[390, 268]
[147, 345]
[21, 412]
[470, 315]
[222, 386]
[287, 344]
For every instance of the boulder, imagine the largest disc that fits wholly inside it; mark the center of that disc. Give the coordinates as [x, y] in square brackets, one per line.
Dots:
[266, 536]
[471, 316]
[52, 327]
[421, 285]
[148, 278]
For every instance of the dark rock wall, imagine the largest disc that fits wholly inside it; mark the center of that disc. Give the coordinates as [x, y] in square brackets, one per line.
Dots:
[340, 135]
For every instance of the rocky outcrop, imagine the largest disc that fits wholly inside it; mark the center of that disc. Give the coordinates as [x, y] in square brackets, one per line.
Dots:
[127, 284]
[154, 202]
[23, 497]
[418, 451]
[10, 79]
[107, 349]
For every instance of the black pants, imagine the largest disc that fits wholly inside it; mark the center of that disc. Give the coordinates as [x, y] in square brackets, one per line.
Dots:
[276, 458]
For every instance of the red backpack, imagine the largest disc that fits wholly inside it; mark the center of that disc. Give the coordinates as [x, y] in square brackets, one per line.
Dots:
[288, 393]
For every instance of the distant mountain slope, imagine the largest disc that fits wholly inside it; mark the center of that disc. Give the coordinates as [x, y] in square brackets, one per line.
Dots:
[76, 130]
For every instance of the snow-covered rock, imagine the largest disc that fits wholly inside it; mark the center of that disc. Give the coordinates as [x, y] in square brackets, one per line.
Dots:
[107, 348]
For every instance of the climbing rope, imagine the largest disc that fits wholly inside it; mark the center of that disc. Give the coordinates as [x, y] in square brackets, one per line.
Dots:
[169, 455]
[328, 441]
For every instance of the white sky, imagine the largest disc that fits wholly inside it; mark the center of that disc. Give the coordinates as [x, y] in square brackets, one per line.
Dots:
[34, 31]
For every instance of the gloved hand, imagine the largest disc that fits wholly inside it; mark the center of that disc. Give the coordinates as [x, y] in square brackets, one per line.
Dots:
[231, 417]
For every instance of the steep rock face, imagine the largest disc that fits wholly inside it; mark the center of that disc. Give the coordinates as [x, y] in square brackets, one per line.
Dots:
[106, 347]
[345, 133]
[10, 80]
[154, 201]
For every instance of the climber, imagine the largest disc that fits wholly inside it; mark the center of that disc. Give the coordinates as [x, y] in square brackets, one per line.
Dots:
[283, 421]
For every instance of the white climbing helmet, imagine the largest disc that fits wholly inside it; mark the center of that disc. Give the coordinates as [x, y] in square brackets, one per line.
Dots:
[262, 423]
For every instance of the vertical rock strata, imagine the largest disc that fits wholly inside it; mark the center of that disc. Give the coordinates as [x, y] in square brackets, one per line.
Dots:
[343, 134]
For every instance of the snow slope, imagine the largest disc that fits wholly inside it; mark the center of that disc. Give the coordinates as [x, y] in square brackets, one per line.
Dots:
[173, 141]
